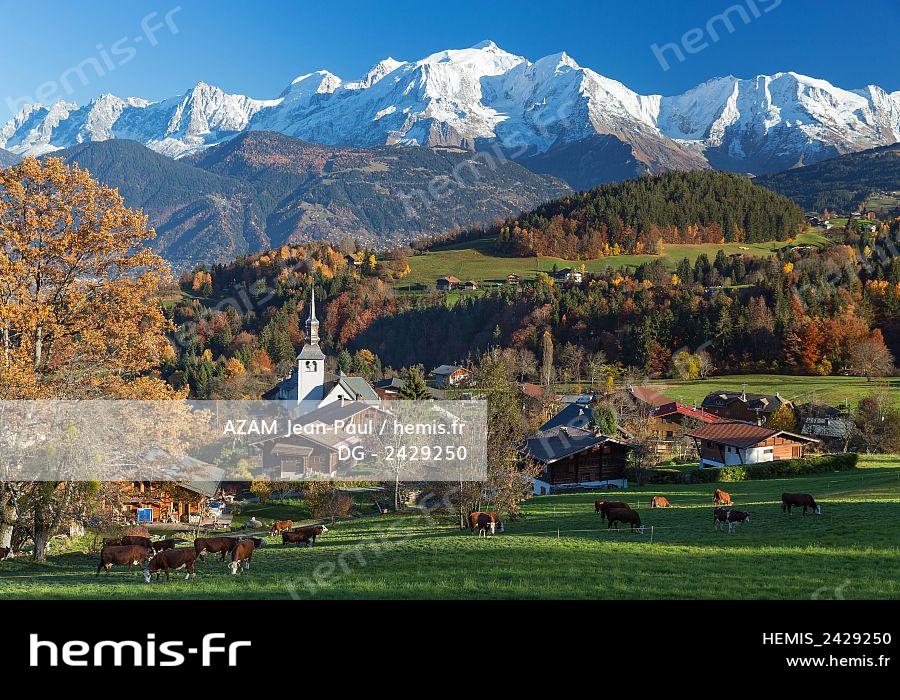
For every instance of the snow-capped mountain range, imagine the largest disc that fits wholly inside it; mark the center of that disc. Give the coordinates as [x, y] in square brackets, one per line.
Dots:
[552, 115]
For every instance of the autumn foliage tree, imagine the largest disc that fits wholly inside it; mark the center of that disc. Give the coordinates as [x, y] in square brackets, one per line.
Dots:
[79, 313]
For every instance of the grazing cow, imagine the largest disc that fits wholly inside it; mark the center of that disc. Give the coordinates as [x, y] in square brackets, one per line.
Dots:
[112, 541]
[161, 545]
[5, 553]
[281, 526]
[172, 559]
[137, 541]
[791, 500]
[603, 507]
[479, 521]
[736, 517]
[311, 532]
[624, 515]
[243, 552]
[720, 515]
[729, 518]
[660, 502]
[130, 554]
[297, 538]
[722, 498]
[214, 545]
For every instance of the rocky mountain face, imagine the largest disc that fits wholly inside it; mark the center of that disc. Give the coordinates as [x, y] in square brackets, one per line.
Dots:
[552, 114]
[263, 189]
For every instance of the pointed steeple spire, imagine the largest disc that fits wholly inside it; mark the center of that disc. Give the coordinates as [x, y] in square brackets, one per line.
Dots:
[312, 323]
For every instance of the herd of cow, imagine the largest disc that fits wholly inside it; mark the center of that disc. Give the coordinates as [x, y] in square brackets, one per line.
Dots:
[615, 512]
[163, 556]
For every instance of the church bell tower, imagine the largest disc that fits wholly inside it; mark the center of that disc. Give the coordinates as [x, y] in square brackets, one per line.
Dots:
[311, 360]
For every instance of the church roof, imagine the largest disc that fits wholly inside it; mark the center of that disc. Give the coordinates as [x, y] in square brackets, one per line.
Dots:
[311, 352]
[359, 386]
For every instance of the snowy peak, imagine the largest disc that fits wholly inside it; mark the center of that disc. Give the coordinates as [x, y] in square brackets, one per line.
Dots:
[376, 73]
[481, 96]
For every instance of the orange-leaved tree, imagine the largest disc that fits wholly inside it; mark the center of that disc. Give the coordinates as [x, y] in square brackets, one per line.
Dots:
[79, 313]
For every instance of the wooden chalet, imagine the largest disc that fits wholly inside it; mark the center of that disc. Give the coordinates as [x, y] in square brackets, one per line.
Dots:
[573, 457]
[741, 406]
[670, 421]
[448, 283]
[168, 502]
[316, 454]
[735, 443]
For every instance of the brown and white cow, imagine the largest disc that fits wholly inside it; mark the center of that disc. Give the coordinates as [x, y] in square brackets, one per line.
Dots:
[136, 540]
[172, 559]
[303, 535]
[130, 554]
[796, 500]
[729, 518]
[660, 502]
[624, 515]
[484, 523]
[722, 498]
[603, 507]
[161, 545]
[243, 552]
[281, 526]
[214, 545]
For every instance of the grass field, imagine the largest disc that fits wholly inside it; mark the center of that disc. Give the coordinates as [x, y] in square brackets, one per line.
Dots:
[849, 551]
[831, 390]
[477, 260]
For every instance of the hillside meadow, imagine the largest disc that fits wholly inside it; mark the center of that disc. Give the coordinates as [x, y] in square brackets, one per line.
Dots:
[478, 260]
[834, 391]
[559, 550]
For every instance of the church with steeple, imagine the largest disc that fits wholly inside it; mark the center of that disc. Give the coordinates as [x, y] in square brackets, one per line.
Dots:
[310, 383]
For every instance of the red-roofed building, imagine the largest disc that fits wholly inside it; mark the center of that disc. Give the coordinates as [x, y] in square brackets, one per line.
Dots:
[735, 443]
[670, 421]
[648, 395]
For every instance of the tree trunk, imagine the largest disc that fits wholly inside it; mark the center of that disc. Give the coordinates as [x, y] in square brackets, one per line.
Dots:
[40, 545]
[7, 523]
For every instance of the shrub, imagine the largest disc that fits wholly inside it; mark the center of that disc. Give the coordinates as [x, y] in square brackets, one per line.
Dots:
[774, 470]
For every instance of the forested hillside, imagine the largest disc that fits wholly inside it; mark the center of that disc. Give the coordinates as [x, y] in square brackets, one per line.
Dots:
[802, 311]
[636, 215]
[842, 183]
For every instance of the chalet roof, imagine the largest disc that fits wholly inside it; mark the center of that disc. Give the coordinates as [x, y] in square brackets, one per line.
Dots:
[447, 370]
[557, 443]
[392, 383]
[827, 427]
[765, 403]
[574, 415]
[575, 398]
[452, 279]
[676, 408]
[648, 394]
[740, 435]
[535, 391]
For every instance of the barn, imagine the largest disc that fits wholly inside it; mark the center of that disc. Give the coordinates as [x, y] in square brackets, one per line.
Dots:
[736, 443]
[572, 457]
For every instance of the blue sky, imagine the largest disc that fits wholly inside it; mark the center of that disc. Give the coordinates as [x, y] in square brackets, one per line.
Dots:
[257, 48]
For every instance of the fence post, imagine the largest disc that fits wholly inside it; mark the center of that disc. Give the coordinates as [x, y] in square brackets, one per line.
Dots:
[651, 534]
[557, 534]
